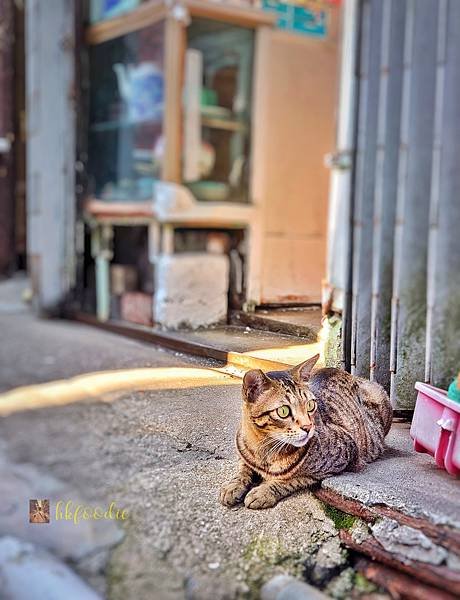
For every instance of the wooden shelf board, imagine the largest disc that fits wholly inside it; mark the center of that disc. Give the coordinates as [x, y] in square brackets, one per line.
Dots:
[203, 214]
[211, 214]
[101, 209]
[123, 124]
[152, 11]
[146, 14]
[229, 125]
[245, 16]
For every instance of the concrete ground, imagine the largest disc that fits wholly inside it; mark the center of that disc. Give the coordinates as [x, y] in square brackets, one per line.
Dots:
[107, 419]
[159, 453]
[406, 481]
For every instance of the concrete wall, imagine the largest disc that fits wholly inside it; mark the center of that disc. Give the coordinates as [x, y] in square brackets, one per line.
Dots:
[50, 44]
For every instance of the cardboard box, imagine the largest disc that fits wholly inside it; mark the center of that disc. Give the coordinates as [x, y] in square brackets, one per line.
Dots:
[136, 307]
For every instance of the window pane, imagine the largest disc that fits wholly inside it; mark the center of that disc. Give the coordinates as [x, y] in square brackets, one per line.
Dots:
[126, 115]
[217, 110]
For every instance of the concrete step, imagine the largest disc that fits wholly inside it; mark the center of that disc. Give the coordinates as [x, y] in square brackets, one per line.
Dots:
[410, 515]
[242, 347]
[304, 322]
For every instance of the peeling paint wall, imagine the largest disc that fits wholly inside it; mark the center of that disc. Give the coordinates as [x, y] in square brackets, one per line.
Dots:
[50, 92]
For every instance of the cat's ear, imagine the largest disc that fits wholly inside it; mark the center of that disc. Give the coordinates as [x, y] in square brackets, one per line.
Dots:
[255, 382]
[301, 373]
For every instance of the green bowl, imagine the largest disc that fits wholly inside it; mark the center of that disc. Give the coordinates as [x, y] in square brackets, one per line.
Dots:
[211, 191]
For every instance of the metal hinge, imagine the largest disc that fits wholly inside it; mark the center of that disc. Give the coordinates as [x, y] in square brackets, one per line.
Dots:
[342, 160]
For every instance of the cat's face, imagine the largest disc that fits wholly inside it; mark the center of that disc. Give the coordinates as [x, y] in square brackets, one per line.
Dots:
[280, 405]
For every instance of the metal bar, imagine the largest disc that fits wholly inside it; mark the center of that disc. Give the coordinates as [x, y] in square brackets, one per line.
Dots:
[339, 219]
[435, 175]
[412, 210]
[443, 317]
[365, 181]
[388, 132]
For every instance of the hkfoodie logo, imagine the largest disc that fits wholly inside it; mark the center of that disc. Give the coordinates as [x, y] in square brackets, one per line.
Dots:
[39, 512]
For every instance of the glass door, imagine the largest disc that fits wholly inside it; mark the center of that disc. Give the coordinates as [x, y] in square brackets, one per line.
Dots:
[217, 110]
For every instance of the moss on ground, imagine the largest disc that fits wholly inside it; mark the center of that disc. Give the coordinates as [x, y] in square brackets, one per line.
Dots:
[265, 557]
[363, 585]
[115, 578]
[340, 519]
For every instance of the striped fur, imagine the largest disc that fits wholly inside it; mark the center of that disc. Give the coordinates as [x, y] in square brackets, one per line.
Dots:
[336, 422]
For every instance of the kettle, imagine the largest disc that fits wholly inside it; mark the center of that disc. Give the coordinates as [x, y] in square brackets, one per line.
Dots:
[141, 88]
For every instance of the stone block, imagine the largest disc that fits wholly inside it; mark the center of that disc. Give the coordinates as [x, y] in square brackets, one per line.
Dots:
[285, 587]
[28, 572]
[191, 290]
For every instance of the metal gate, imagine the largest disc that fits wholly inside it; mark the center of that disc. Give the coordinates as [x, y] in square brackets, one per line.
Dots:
[402, 317]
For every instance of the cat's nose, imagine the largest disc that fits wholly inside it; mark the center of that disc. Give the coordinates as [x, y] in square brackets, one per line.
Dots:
[306, 428]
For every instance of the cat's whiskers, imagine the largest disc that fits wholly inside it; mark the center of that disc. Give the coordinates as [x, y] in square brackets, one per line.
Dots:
[267, 445]
[276, 444]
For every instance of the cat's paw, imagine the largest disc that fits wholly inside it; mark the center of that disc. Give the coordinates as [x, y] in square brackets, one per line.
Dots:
[260, 497]
[232, 493]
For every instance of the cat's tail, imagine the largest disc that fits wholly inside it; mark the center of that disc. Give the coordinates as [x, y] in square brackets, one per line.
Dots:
[377, 401]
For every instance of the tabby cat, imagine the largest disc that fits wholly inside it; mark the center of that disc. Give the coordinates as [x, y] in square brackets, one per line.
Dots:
[299, 427]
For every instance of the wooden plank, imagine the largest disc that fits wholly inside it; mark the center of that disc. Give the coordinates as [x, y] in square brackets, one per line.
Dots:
[101, 208]
[259, 119]
[223, 124]
[152, 11]
[440, 577]
[175, 44]
[146, 14]
[7, 107]
[237, 15]
[290, 181]
[440, 534]
[293, 266]
[347, 505]
[398, 584]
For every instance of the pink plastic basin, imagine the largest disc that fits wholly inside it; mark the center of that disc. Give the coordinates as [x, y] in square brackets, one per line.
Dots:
[436, 427]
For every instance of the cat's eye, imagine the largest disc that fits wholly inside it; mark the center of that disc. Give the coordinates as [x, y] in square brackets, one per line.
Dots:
[311, 405]
[283, 411]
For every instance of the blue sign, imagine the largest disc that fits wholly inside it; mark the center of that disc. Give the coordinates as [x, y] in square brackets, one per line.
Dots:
[298, 19]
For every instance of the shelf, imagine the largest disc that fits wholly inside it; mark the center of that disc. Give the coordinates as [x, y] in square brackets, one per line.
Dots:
[241, 15]
[228, 125]
[122, 124]
[119, 212]
[146, 14]
[152, 11]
